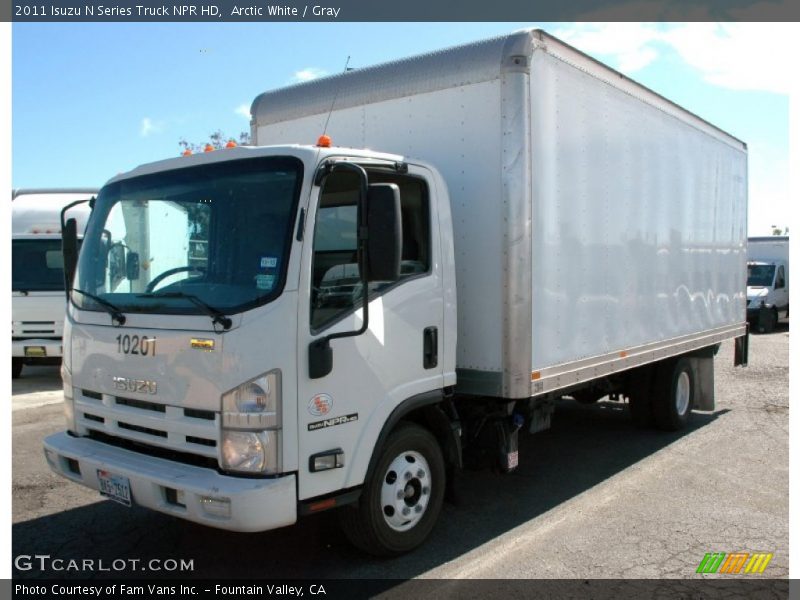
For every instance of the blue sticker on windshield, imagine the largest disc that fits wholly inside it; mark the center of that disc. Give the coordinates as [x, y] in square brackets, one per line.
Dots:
[269, 262]
[265, 282]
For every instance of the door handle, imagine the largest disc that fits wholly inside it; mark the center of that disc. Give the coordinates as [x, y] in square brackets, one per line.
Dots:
[430, 347]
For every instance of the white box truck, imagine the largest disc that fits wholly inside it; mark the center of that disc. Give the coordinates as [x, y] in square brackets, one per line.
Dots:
[37, 273]
[767, 281]
[494, 227]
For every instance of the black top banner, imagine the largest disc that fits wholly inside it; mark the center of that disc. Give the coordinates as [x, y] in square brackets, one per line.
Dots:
[407, 10]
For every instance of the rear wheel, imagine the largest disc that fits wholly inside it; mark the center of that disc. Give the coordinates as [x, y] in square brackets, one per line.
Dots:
[16, 367]
[674, 394]
[768, 321]
[403, 496]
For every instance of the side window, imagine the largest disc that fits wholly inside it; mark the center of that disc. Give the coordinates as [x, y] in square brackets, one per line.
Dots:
[336, 286]
[780, 279]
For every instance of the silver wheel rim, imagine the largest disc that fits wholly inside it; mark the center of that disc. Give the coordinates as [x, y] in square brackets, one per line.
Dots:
[682, 392]
[405, 490]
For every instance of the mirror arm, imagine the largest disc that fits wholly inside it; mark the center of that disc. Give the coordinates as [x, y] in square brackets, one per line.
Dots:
[71, 205]
[69, 267]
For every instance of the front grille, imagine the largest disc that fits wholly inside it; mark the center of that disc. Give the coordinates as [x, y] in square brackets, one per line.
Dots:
[35, 328]
[148, 423]
[203, 442]
[146, 430]
[150, 450]
[143, 404]
[199, 414]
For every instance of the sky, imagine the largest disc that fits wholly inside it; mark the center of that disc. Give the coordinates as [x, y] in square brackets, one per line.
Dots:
[95, 99]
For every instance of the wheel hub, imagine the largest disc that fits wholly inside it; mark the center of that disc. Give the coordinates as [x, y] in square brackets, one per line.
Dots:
[405, 491]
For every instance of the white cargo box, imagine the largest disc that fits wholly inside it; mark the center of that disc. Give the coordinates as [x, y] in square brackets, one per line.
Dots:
[768, 248]
[597, 225]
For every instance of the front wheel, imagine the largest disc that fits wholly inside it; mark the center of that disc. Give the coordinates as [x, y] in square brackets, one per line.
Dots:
[402, 497]
[16, 367]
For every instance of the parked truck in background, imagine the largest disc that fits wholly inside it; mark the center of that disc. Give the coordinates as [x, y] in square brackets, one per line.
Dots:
[767, 281]
[37, 273]
[493, 228]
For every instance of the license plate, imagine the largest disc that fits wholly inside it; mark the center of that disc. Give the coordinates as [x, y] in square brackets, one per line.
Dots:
[35, 351]
[116, 487]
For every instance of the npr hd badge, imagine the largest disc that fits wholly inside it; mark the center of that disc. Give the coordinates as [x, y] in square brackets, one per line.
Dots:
[320, 405]
[333, 421]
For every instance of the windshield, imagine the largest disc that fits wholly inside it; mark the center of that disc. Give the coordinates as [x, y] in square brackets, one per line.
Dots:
[219, 233]
[760, 275]
[37, 266]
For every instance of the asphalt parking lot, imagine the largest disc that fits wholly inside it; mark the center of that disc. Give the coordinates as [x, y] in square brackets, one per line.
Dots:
[594, 497]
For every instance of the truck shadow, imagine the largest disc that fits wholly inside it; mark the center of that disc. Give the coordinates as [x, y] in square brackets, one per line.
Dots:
[585, 446]
[39, 378]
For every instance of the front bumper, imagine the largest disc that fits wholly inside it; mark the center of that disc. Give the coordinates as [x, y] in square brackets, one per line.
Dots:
[52, 348]
[255, 504]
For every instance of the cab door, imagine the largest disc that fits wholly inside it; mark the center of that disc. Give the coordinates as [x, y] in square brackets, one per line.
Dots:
[399, 354]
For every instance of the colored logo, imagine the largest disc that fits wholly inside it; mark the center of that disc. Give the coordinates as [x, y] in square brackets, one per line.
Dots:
[320, 405]
[735, 562]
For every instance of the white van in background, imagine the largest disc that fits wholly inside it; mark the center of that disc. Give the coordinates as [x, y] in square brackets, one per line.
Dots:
[37, 272]
[767, 281]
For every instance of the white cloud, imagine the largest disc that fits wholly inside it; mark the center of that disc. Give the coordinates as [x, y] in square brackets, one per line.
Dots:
[739, 56]
[630, 45]
[243, 110]
[308, 74]
[149, 126]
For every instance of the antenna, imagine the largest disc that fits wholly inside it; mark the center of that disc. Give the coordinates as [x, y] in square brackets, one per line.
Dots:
[335, 96]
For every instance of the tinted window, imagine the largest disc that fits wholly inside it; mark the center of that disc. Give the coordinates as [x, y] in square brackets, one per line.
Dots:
[336, 284]
[221, 233]
[37, 265]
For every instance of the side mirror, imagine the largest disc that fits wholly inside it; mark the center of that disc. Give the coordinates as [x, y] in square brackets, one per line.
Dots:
[132, 266]
[69, 248]
[385, 227]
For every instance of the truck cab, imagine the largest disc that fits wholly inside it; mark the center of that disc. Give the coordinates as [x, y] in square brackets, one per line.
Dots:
[37, 273]
[219, 362]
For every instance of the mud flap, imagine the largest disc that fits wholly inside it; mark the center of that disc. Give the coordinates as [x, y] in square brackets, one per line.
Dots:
[741, 348]
[508, 438]
[703, 371]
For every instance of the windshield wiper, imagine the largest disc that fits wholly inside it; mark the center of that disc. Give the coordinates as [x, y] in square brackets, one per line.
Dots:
[217, 316]
[116, 314]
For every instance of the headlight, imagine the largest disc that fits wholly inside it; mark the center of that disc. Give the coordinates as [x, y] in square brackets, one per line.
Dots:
[251, 451]
[251, 424]
[69, 402]
[255, 404]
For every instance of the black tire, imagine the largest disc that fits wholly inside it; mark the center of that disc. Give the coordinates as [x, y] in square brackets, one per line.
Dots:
[366, 524]
[772, 321]
[16, 367]
[768, 322]
[673, 397]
